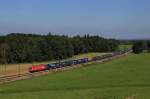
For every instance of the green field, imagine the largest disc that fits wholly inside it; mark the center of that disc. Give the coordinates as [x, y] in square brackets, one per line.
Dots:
[124, 47]
[124, 78]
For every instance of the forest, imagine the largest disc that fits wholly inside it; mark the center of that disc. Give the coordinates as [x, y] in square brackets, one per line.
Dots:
[21, 47]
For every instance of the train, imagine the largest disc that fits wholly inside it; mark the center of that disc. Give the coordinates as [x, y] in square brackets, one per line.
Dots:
[60, 64]
[43, 67]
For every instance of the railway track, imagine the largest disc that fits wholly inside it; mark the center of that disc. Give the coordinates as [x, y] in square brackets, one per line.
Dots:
[10, 78]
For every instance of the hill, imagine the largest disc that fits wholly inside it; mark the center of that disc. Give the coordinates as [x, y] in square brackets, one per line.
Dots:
[124, 78]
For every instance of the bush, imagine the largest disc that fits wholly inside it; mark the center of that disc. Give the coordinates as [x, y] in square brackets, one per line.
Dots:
[138, 47]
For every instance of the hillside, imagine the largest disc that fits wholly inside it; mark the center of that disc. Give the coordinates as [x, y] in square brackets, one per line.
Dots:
[124, 78]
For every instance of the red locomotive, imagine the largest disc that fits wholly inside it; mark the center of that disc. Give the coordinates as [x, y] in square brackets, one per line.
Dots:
[37, 68]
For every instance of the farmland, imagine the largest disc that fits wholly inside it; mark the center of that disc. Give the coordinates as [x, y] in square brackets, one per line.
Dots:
[124, 78]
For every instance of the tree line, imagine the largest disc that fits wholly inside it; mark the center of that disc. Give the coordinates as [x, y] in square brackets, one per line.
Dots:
[20, 48]
[140, 46]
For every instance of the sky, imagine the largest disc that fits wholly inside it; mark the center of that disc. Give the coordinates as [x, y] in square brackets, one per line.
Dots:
[123, 19]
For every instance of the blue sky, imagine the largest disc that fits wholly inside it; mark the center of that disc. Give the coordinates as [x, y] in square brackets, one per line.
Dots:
[108, 18]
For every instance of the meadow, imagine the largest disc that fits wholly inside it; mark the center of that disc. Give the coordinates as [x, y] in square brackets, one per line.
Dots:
[123, 78]
[124, 47]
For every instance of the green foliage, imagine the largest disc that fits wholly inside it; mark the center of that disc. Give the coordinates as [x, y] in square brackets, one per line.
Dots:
[4, 55]
[139, 47]
[124, 78]
[31, 48]
[148, 45]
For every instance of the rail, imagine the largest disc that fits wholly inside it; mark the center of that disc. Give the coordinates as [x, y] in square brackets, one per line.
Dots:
[10, 78]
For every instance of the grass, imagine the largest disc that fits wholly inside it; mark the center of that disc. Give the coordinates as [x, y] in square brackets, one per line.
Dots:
[124, 78]
[124, 47]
